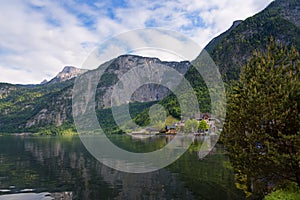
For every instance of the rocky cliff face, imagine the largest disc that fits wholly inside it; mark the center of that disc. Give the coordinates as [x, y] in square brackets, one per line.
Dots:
[147, 92]
[5, 90]
[25, 108]
[56, 110]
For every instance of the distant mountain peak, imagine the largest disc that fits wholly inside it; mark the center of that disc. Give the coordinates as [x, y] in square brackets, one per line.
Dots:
[67, 73]
[69, 69]
[44, 82]
[236, 23]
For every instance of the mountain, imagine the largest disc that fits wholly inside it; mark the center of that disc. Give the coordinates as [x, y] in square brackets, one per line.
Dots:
[49, 105]
[231, 50]
[24, 108]
[215, 41]
[146, 93]
[44, 82]
[67, 73]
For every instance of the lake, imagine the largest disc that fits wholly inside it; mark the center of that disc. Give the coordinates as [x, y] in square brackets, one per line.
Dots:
[61, 168]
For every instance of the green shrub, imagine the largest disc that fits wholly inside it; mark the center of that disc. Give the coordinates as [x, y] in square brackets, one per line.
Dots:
[292, 192]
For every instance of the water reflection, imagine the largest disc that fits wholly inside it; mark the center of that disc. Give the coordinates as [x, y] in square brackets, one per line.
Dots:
[58, 165]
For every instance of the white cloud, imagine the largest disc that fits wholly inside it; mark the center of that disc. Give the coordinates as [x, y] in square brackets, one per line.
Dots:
[36, 47]
[39, 37]
[164, 44]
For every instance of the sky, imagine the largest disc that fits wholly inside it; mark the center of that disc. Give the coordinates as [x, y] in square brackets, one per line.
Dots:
[39, 37]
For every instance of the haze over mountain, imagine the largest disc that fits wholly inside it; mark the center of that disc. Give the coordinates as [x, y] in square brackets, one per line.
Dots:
[40, 107]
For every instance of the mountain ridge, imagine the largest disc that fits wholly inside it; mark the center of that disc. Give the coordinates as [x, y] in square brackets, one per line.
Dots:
[280, 20]
[34, 107]
[38, 107]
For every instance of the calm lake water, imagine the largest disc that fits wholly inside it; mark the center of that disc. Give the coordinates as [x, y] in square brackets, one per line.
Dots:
[61, 168]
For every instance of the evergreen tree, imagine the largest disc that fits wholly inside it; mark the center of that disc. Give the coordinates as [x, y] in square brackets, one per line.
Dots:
[262, 129]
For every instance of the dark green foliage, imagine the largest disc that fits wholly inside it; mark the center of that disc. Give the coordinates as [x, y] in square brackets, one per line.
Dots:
[68, 128]
[108, 124]
[171, 103]
[108, 79]
[262, 130]
[200, 89]
[24, 102]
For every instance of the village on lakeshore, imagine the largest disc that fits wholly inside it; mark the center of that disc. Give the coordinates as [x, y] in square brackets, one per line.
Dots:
[200, 124]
